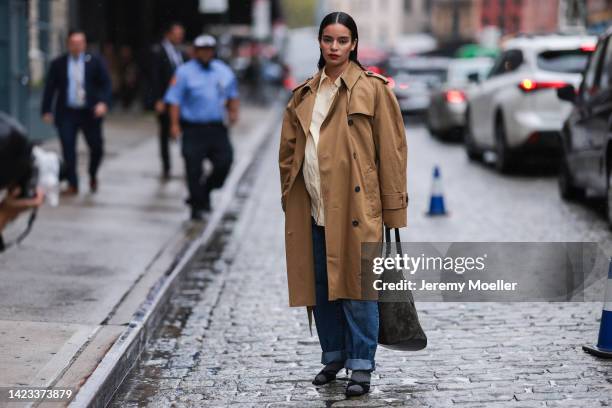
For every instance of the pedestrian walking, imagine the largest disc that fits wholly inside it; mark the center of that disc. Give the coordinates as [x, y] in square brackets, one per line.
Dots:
[76, 97]
[342, 161]
[203, 91]
[167, 57]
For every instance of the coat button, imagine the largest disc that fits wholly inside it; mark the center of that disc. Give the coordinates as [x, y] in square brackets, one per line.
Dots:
[357, 188]
[350, 122]
[354, 155]
[355, 223]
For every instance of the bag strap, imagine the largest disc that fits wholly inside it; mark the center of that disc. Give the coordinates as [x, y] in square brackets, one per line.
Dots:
[398, 240]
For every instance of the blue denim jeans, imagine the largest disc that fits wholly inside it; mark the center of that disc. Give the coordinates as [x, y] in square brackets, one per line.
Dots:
[348, 329]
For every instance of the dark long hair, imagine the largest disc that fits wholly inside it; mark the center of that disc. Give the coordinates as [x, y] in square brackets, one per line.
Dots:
[347, 21]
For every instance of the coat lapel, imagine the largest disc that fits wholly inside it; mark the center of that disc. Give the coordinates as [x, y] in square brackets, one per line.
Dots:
[351, 75]
[306, 105]
[87, 66]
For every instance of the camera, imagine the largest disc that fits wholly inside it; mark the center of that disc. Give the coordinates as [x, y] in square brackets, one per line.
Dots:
[26, 166]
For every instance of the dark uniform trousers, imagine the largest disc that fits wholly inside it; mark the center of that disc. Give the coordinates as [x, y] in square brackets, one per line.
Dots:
[68, 126]
[205, 141]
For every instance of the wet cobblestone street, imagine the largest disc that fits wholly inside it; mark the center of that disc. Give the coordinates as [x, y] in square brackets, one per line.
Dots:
[231, 340]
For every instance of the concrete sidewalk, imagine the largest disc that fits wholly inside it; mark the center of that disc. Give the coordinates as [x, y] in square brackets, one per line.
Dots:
[72, 287]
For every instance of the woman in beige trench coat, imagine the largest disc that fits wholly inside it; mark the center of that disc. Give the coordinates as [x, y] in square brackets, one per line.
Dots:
[342, 165]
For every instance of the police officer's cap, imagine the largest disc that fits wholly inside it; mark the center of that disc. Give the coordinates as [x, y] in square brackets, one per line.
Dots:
[205, 41]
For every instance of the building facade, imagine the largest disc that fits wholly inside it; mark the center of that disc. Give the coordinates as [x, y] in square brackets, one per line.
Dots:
[455, 21]
[416, 17]
[520, 16]
[32, 33]
[379, 21]
[598, 14]
[382, 23]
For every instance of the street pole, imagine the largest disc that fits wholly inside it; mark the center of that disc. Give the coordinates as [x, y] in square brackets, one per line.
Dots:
[455, 28]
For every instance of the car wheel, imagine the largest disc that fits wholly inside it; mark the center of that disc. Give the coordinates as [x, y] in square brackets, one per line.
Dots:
[505, 161]
[567, 188]
[471, 149]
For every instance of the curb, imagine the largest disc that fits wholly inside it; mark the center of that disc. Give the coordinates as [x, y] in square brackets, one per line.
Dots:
[108, 376]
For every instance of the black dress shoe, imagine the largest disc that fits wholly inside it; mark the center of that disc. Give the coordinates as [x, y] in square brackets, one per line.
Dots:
[324, 377]
[93, 185]
[203, 207]
[197, 214]
[357, 388]
[70, 191]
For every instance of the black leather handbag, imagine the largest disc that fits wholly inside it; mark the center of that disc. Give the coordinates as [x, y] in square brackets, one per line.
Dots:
[399, 327]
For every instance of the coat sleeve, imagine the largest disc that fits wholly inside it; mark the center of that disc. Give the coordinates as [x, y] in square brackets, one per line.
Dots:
[392, 150]
[157, 92]
[104, 82]
[286, 150]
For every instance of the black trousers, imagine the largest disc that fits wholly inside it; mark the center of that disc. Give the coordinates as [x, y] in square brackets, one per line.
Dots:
[205, 141]
[164, 141]
[68, 125]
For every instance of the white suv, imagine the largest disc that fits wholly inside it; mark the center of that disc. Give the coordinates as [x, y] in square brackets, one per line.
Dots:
[515, 110]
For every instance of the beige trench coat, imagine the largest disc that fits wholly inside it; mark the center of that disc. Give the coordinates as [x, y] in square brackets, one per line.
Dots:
[362, 157]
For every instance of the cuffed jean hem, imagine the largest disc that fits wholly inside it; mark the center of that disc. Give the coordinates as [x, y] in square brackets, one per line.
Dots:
[359, 364]
[328, 357]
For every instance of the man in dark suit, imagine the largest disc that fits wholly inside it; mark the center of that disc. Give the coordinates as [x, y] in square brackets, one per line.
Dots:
[76, 97]
[166, 59]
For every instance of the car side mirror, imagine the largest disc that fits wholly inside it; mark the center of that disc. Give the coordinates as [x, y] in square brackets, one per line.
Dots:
[567, 93]
[473, 77]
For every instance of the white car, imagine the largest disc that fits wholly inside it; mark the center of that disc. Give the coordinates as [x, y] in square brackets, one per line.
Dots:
[515, 110]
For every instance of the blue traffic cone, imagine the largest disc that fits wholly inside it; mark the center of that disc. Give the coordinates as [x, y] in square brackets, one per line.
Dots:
[604, 342]
[436, 203]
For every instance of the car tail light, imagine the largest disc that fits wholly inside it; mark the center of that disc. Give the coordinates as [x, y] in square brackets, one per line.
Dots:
[289, 82]
[454, 96]
[528, 85]
[403, 85]
[587, 47]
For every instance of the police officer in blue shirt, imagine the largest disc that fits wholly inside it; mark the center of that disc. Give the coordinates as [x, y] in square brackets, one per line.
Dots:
[203, 91]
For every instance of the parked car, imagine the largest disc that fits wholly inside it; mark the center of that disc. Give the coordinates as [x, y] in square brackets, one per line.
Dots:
[414, 78]
[446, 113]
[373, 59]
[586, 138]
[515, 110]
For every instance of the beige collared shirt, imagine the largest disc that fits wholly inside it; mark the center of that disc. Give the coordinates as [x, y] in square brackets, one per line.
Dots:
[325, 96]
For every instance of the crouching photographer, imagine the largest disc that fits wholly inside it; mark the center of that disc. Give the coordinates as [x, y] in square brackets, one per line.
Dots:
[28, 174]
